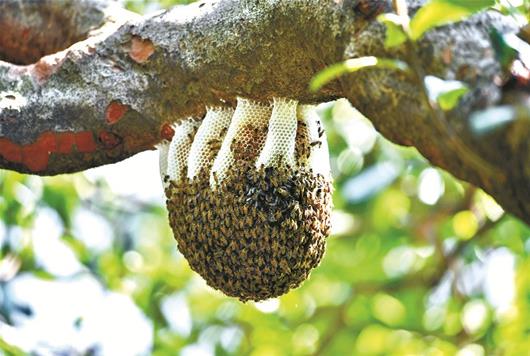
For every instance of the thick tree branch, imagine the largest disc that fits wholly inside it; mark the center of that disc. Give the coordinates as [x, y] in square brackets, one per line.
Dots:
[110, 96]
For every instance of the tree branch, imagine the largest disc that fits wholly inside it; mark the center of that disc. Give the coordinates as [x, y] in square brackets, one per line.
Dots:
[110, 96]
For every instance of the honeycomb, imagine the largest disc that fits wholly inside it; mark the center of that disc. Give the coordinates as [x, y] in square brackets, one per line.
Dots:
[179, 149]
[244, 139]
[208, 140]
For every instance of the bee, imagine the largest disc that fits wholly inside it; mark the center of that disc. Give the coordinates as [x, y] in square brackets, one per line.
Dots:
[214, 144]
[320, 131]
[261, 261]
[296, 212]
[283, 192]
[262, 216]
[218, 265]
[291, 224]
[244, 210]
[285, 266]
[255, 234]
[216, 180]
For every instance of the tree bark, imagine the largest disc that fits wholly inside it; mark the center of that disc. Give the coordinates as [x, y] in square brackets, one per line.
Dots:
[110, 83]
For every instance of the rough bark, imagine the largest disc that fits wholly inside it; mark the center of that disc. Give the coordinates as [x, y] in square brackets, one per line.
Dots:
[112, 95]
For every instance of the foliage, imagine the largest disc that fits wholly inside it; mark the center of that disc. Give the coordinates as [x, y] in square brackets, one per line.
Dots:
[418, 263]
[144, 6]
[354, 65]
[441, 12]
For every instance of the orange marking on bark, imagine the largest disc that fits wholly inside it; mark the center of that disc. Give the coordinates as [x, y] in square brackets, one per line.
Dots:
[65, 142]
[47, 142]
[167, 132]
[141, 49]
[115, 112]
[84, 141]
[109, 140]
[10, 151]
[34, 157]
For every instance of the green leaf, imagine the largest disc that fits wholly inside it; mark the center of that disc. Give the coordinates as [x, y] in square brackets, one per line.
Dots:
[503, 51]
[441, 12]
[449, 100]
[43, 274]
[395, 35]
[10, 349]
[446, 93]
[352, 65]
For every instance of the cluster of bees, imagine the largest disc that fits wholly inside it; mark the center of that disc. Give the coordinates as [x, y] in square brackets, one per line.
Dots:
[254, 231]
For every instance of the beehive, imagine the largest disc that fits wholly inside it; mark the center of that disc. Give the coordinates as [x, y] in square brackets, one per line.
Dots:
[249, 196]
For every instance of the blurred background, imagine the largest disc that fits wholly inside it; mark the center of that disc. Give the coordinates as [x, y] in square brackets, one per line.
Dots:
[419, 263]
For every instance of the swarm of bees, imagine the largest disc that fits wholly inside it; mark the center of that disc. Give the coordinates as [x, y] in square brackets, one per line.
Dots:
[250, 202]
